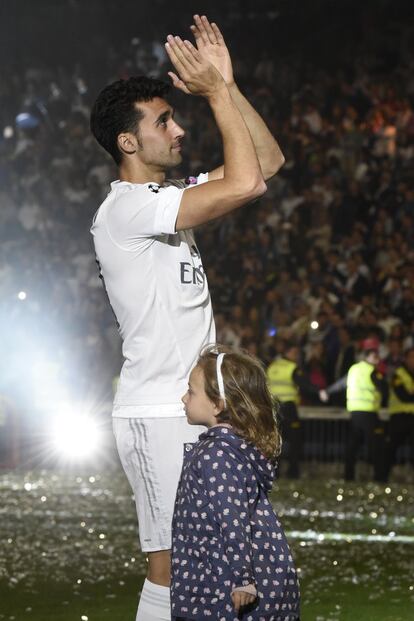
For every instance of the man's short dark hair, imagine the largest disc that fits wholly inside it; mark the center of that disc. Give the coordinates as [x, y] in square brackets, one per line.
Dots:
[115, 112]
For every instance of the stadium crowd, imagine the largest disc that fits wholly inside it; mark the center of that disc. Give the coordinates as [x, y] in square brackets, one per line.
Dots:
[325, 258]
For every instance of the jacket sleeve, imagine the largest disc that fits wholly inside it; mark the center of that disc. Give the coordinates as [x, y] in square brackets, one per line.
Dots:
[380, 384]
[226, 488]
[402, 393]
[338, 385]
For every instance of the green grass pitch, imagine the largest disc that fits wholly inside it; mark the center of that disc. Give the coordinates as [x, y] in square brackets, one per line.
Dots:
[69, 552]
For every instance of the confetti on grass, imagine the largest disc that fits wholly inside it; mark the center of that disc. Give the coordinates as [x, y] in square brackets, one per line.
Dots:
[76, 530]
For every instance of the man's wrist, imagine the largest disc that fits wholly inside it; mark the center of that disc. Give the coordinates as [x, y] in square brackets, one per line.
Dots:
[218, 94]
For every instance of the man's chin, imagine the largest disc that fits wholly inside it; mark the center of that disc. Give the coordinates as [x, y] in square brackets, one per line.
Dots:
[177, 158]
[174, 160]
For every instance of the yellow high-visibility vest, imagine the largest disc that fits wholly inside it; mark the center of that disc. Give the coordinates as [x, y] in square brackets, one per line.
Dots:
[281, 384]
[403, 378]
[361, 393]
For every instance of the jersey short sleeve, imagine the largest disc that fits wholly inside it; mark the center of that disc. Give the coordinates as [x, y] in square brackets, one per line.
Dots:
[146, 210]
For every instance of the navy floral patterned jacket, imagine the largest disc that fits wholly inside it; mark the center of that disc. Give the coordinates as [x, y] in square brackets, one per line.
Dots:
[226, 535]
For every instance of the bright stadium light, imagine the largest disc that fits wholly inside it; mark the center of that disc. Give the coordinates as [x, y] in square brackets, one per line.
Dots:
[22, 295]
[314, 325]
[75, 435]
[8, 132]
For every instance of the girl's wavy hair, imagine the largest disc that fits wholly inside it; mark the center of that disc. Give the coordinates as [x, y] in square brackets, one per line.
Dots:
[250, 408]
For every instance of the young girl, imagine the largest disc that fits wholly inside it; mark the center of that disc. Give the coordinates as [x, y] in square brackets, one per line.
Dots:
[230, 558]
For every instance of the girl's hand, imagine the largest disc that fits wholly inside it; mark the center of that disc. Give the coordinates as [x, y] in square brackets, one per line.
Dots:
[212, 47]
[241, 598]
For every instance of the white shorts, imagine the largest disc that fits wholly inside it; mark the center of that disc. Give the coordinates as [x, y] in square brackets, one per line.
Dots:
[151, 452]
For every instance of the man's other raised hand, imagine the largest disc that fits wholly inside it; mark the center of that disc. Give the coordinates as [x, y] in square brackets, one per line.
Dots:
[211, 45]
[196, 74]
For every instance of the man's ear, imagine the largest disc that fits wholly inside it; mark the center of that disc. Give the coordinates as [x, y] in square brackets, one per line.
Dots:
[127, 143]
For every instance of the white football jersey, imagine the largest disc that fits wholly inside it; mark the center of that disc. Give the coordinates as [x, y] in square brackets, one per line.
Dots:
[158, 291]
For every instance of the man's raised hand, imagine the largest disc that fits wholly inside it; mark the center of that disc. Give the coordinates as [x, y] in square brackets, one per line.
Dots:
[196, 74]
[211, 45]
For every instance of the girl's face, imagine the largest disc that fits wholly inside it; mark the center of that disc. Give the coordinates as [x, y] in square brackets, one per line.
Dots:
[198, 407]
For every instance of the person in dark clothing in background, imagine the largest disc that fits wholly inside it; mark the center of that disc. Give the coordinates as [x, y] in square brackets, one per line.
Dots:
[401, 409]
[366, 390]
[286, 382]
[344, 360]
[394, 359]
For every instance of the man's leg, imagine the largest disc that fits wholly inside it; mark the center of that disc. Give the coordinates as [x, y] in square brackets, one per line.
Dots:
[292, 436]
[154, 603]
[141, 457]
[401, 432]
[151, 452]
[352, 447]
[393, 441]
[379, 456]
[159, 567]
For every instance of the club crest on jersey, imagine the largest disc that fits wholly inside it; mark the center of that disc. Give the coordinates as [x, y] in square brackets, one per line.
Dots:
[154, 187]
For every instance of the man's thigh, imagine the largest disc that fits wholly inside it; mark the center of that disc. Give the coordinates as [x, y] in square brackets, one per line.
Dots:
[151, 453]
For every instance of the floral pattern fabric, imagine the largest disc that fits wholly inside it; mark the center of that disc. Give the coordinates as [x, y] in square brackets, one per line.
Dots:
[226, 535]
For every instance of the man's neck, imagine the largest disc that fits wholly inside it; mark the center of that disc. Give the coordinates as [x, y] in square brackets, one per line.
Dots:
[141, 174]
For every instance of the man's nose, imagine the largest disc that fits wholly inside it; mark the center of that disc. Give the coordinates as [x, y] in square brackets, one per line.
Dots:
[178, 131]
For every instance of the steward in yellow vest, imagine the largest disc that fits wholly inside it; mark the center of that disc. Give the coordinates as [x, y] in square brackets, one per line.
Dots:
[366, 388]
[401, 408]
[363, 388]
[402, 388]
[280, 376]
[285, 380]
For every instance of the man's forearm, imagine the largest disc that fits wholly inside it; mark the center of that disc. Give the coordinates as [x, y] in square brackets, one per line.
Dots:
[268, 151]
[241, 180]
[240, 155]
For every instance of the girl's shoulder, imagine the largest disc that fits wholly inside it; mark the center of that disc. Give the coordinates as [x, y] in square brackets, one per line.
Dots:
[222, 449]
[217, 440]
[221, 437]
[225, 438]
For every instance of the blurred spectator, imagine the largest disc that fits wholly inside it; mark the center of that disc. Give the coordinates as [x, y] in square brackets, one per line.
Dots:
[287, 382]
[394, 357]
[315, 369]
[401, 408]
